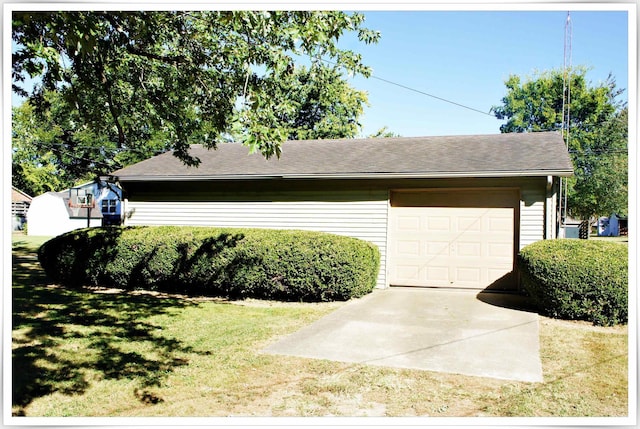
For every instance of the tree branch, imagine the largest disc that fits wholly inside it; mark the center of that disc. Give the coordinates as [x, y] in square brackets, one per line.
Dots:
[107, 84]
[114, 114]
[163, 58]
[135, 51]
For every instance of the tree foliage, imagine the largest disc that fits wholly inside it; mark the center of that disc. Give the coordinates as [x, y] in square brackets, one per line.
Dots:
[597, 137]
[131, 80]
[600, 185]
[54, 150]
[383, 132]
[34, 169]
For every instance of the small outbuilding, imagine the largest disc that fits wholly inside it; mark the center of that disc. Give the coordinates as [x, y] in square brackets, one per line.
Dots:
[447, 211]
[610, 226]
[87, 205]
[20, 202]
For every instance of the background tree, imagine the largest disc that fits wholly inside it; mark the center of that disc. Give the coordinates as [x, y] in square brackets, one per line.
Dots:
[313, 102]
[384, 132]
[54, 150]
[601, 171]
[34, 169]
[115, 84]
[598, 137]
[326, 107]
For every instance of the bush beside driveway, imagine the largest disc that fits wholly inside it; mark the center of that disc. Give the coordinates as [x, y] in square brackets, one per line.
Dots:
[577, 279]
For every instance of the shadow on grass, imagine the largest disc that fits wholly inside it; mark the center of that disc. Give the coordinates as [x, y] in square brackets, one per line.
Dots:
[65, 338]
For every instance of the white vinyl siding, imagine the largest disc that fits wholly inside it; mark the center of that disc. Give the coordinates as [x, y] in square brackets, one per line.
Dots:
[351, 211]
[361, 215]
[532, 210]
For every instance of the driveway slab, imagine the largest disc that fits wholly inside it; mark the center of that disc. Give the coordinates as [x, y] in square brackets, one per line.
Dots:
[454, 331]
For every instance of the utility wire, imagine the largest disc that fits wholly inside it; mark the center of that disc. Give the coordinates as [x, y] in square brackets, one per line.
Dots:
[155, 152]
[599, 151]
[408, 88]
[430, 95]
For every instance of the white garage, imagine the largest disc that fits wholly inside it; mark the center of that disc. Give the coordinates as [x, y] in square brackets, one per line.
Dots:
[453, 238]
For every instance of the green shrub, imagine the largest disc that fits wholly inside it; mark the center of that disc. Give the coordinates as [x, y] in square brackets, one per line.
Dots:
[238, 263]
[577, 279]
[69, 258]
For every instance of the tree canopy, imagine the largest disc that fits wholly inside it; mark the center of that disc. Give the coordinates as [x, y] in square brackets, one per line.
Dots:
[597, 133]
[34, 171]
[116, 87]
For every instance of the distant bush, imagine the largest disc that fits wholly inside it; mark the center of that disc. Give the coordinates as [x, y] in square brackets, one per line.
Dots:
[238, 263]
[577, 279]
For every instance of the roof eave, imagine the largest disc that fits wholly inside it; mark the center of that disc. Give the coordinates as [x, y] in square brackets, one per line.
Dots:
[338, 176]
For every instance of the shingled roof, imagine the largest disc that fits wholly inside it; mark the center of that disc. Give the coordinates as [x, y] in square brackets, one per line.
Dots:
[495, 155]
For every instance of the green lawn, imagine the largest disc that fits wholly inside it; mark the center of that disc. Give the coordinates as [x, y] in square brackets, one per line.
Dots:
[27, 243]
[621, 239]
[112, 353]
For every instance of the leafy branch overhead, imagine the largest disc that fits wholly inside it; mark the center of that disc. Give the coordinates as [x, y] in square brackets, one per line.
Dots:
[187, 77]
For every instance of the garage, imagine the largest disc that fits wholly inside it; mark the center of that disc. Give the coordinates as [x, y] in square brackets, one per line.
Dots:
[458, 238]
[444, 211]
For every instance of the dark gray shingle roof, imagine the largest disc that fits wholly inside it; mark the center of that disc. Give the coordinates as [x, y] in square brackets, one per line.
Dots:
[495, 155]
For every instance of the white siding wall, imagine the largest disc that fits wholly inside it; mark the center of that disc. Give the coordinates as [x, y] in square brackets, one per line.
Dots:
[532, 211]
[359, 214]
[47, 216]
[354, 214]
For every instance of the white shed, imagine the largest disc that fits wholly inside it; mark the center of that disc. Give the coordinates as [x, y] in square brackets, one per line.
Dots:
[50, 215]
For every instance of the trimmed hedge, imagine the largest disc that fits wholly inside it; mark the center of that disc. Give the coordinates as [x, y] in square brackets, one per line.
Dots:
[577, 279]
[237, 263]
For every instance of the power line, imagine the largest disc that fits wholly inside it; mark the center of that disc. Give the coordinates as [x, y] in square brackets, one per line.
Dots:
[115, 149]
[598, 151]
[430, 95]
[105, 163]
[408, 88]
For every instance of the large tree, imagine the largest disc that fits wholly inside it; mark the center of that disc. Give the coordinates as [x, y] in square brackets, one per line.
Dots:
[34, 169]
[54, 150]
[118, 86]
[596, 130]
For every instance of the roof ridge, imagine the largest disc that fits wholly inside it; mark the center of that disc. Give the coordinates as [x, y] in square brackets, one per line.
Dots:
[429, 156]
[395, 138]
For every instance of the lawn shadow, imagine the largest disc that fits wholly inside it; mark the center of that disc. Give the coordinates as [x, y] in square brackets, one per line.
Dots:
[47, 320]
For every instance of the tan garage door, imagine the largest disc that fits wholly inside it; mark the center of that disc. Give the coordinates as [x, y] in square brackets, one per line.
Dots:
[463, 239]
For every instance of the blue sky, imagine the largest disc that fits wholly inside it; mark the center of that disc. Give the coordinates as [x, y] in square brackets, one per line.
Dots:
[465, 56]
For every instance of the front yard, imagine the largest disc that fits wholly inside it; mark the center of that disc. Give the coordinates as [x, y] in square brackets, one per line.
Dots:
[113, 353]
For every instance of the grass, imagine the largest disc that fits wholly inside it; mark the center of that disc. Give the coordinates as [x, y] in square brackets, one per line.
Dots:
[621, 239]
[112, 353]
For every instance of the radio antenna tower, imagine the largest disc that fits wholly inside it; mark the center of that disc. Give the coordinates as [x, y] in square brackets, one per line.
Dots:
[566, 110]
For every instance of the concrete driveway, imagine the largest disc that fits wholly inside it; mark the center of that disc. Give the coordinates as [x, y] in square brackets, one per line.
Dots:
[454, 331]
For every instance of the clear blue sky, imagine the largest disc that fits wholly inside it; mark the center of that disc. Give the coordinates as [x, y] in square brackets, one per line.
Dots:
[466, 56]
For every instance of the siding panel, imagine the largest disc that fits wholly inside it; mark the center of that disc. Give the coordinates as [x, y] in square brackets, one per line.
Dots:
[532, 207]
[353, 214]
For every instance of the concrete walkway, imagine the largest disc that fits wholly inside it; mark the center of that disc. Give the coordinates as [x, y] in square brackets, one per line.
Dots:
[454, 331]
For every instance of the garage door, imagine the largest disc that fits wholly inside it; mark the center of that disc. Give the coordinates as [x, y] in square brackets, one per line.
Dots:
[463, 239]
